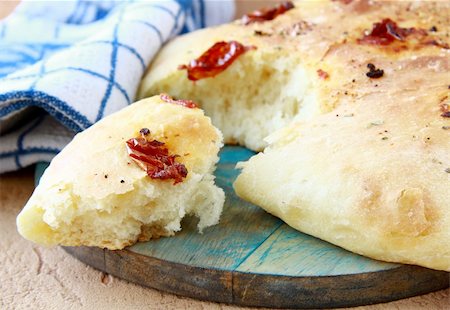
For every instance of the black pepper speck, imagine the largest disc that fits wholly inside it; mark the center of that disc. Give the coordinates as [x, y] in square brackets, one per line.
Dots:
[144, 131]
[374, 73]
[261, 33]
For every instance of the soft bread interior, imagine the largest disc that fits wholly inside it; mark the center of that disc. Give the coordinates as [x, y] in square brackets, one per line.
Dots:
[269, 90]
[145, 212]
[93, 194]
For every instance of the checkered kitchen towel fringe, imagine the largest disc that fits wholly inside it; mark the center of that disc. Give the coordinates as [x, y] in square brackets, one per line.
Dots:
[66, 64]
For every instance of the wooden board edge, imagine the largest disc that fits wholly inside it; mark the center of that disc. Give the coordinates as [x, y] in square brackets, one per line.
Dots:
[179, 279]
[263, 290]
[277, 291]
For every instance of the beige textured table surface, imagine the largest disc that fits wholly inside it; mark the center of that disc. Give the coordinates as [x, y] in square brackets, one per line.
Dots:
[34, 277]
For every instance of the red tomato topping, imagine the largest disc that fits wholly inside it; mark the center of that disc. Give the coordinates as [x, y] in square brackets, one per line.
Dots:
[265, 14]
[323, 74]
[216, 59]
[185, 103]
[386, 32]
[154, 159]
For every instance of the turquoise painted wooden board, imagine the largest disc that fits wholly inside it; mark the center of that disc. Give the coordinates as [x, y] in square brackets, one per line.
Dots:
[252, 258]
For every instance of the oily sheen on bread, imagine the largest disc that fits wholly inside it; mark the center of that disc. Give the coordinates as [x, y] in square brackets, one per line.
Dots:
[95, 194]
[360, 90]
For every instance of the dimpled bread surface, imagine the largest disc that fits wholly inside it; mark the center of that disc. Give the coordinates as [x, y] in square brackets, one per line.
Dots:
[361, 162]
[94, 194]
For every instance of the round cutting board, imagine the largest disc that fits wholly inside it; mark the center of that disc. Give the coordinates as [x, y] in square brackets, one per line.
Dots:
[253, 259]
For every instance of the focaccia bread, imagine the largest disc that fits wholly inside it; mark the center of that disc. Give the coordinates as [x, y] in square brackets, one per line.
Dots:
[94, 193]
[362, 91]
[372, 175]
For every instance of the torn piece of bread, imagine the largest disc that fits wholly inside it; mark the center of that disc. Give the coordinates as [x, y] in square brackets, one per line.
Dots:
[95, 194]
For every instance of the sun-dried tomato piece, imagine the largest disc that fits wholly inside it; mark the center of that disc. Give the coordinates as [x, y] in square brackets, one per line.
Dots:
[266, 14]
[185, 103]
[323, 74]
[386, 32]
[215, 60]
[154, 158]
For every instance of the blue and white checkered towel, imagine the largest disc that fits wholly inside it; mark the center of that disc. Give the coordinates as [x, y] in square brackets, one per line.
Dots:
[66, 64]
